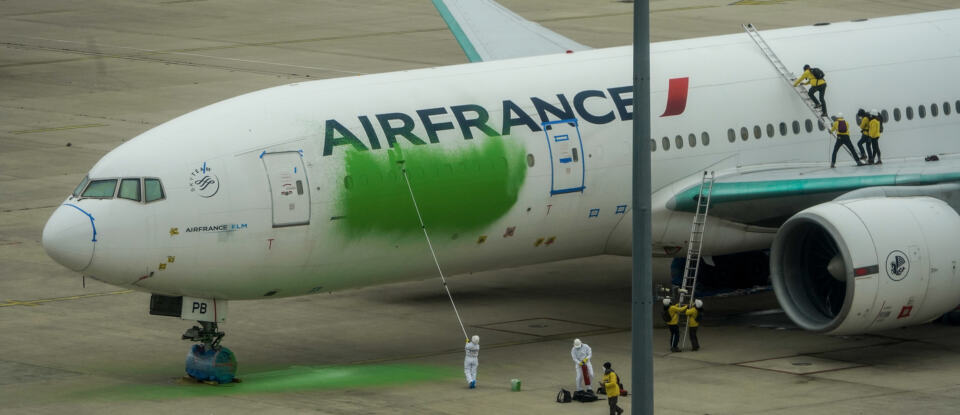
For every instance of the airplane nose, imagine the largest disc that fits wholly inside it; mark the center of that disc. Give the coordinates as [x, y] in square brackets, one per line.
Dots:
[69, 237]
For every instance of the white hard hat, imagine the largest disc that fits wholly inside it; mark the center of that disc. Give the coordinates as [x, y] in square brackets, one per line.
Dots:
[476, 339]
[577, 343]
[839, 115]
[666, 301]
[874, 112]
[698, 303]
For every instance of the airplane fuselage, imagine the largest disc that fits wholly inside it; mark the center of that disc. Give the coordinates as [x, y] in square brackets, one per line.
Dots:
[299, 189]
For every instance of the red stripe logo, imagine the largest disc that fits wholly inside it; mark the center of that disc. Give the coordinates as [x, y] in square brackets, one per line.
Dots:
[676, 96]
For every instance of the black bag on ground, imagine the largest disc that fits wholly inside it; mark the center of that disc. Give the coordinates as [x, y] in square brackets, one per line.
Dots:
[665, 315]
[584, 396]
[817, 73]
[563, 396]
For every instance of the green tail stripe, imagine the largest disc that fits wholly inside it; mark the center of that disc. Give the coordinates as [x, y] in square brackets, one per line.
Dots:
[457, 31]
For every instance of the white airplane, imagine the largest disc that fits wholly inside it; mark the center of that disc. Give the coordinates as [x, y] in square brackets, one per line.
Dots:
[525, 158]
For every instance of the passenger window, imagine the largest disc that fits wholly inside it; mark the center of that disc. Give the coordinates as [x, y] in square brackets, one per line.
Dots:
[957, 107]
[152, 190]
[922, 111]
[101, 189]
[576, 156]
[679, 142]
[300, 182]
[934, 110]
[808, 125]
[692, 138]
[756, 131]
[909, 113]
[731, 135]
[946, 108]
[896, 114]
[666, 143]
[83, 183]
[653, 145]
[820, 125]
[796, 127]
[130, 189]
[744, 133]
[885, 116]
[705, 138]
[783, 129]
[770, 130]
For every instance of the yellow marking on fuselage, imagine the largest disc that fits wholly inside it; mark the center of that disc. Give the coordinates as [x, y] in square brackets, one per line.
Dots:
[66, 127]
[11, 303]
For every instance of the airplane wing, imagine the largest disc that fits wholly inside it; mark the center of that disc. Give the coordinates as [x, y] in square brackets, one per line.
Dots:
[488, 31]
[768, 197]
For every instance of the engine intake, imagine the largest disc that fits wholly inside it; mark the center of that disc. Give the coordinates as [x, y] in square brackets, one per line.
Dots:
[854, 266]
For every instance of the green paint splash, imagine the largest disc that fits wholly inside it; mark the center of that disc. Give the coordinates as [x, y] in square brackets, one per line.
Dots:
[287, 380]
[457, 190]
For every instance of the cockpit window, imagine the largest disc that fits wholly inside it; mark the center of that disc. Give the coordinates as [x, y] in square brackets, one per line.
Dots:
[130, 189]
[101, 189]
[153, 190]
[83, 183]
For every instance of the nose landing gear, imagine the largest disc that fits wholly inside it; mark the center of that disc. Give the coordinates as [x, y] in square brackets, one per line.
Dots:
[209, 361]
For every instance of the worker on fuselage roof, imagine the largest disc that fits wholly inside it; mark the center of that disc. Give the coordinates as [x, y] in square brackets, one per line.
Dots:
[875, 129]
[842, 128]
[818, 84]
[863, 119]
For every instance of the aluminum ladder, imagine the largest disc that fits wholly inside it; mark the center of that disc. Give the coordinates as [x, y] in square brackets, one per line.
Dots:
[788, 76]
[694, 245]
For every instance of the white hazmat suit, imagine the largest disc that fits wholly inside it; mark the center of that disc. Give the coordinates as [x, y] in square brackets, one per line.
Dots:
[581, 354]
[470, 361]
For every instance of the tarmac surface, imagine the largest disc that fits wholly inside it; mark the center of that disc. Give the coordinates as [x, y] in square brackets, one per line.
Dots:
[77, 78]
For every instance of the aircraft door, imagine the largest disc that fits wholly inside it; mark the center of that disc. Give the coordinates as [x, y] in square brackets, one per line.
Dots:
[289, 190]
[566, 156]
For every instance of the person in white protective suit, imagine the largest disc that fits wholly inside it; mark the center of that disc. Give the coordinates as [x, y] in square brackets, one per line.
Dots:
[581, 354]
[471, 351]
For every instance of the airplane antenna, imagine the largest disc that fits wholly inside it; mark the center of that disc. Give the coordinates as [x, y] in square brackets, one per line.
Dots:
[430, 244]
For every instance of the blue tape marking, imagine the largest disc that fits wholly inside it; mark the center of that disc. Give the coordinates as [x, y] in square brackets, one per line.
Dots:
[572, 121]
[583, 167]
[204, 169]
[570, 190]
[621, 209]
[264, 152]
[561, 137]
[294, 170]
[89, 216]
[301, 152]
[566, 160]
[594, 213]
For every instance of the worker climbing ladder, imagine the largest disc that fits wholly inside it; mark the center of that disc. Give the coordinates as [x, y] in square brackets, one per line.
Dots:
[694, 245]
[787, 75]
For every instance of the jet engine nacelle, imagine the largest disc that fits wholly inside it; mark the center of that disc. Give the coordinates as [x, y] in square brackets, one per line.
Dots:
[855, 266]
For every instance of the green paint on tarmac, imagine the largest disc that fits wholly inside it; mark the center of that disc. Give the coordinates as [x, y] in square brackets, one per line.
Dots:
[294, 379]
[457, 190]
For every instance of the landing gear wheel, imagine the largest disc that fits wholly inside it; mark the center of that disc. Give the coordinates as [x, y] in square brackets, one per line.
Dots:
[209, 361]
